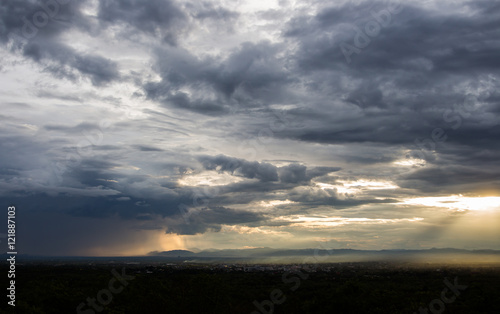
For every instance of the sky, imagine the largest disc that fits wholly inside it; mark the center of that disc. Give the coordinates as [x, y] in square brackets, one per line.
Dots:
[134, 126]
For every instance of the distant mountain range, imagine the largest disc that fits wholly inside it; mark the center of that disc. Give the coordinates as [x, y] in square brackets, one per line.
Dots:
[276, 253]
[270, 255]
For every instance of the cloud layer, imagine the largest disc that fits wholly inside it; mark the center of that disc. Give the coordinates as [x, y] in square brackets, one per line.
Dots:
[250, 123]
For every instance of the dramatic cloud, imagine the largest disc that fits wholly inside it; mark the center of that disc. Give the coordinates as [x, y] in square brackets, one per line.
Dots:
[227, 124]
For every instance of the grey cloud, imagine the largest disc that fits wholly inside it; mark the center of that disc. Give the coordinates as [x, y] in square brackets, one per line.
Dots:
[65, 62]
[144, 148]
[64, 59]
[450, 179]
[262, 171]
[293, 174]
[212, 219]
[85, 126]
[309, 197]
[250, 76]
[296, 173]
[42, 43]
[321, 171]
[101, 70]
[17, 18]
[204, 10]
[152, 17]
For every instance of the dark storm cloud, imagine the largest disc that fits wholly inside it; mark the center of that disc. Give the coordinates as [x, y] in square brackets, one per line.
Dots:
[305, 197]
[239, 167]
[296, 173]
[448, 41]
[263, 171]
[407, 74]
[65, 62]
[293, 173]
[451, 179]
[152, 17]
[128, 208]
[35, 27]
[101, 70]
[144, 148]
[27, 19]
[248, 77]
[251, 191]
[88, 194]
[16, 153]
[211, 219]
[113, 193]
[367, 95]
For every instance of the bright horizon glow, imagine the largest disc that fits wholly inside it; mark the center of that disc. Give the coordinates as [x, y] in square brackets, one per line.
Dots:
[458, 202]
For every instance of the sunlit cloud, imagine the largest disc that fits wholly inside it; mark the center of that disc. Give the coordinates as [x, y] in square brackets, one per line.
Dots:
[410, 162]
[275, 203]
[356, 187]
[253, 230]
[458, 202]
[209, 178]
[327, 222]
